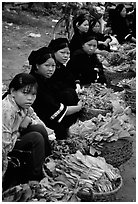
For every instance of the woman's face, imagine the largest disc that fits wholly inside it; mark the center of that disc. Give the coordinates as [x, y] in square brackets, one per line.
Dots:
[123, 12]
[90, 46]
[24, 97]
[84, 27]
[47, 69]
[96, 28]
[62, 55]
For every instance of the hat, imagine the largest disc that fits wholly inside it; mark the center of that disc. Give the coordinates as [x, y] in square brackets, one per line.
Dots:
[58, 44]
[87, 37]
[39, 56]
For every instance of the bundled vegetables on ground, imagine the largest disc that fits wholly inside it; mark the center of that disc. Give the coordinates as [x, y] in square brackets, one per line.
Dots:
[130, 92]
[96, 100]
[124, 59]
[108, 128]
[78, 170]
[88, 135]
[66, 179]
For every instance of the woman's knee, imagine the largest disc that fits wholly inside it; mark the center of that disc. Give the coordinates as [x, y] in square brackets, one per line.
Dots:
[38, 128]
[37, 138]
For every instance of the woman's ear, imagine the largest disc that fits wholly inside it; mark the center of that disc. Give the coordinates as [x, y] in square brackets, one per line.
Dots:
[12, 91]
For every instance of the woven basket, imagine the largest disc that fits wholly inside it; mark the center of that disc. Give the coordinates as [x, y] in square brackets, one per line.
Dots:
[130, 99]
[117, 152]
[89, 113]
[110, 196]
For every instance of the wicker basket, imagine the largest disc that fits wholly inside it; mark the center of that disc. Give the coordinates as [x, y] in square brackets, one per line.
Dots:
[110, 196]
[130, 99]
[117, 152]
[89, 113]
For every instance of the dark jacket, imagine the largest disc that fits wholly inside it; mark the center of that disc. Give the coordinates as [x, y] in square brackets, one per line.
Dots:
[65, 81]
[102, 37]
[82, 67]
[120, 27]
[76, 42]
[47, 102]
[63, 77]
[51, 105]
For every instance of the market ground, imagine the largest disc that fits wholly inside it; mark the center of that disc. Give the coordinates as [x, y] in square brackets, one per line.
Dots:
[18, 29]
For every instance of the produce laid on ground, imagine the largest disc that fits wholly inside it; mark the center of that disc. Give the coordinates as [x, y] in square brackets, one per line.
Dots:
[130, 92]
[78, 169]
[72, 178]
[85, 166]
[96, 100]
[124, 59]
[90, 136]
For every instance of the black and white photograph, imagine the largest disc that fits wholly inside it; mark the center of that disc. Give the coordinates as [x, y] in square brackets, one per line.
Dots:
[68, 101]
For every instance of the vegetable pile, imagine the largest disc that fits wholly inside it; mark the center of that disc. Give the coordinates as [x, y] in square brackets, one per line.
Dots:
[77, 168]
[95, 100]
[124, 59]
[66, 178]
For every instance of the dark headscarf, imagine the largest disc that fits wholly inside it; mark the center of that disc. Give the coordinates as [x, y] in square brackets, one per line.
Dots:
[79, 20]
[58, 44]
[39, 56]
[87, 37]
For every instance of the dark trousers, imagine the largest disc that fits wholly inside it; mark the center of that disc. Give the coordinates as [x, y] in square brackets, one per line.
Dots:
[35, 139]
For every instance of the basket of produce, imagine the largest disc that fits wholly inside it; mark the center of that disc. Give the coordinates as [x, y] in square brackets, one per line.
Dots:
[130, 98]
[88, 113]
[117, 152]
[88, 194]
[87, 178]
[109, 196]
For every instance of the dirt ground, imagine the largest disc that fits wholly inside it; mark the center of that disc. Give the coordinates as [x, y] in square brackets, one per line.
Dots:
[16, 47]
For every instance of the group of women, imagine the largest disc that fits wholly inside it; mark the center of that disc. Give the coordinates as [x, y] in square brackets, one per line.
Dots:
[45, 101]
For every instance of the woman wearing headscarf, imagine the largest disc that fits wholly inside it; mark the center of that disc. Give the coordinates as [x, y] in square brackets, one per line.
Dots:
[120, 25]
[81, 27]
[48, 104]
[84, 63]
[63, 77]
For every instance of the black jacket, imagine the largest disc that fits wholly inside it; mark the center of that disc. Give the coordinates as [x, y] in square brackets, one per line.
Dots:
[120, 27]
[51, 105]
[48, 105]
[102, 37]
[76, 42]
[82, 67]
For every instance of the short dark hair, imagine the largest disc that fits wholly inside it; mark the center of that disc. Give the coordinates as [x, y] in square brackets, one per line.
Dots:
[21, 80]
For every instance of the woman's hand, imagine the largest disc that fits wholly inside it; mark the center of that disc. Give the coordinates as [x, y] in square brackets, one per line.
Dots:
[27, 121]
[80, 105]
[103, 53]
[78, 88]
[49, 131]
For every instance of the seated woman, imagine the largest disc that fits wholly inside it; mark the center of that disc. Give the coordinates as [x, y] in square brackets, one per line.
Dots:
[120, 26]
[63, 77]
[103, 39]
[21, 127]
[48, 104]
[84, 63]
[81, 27]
